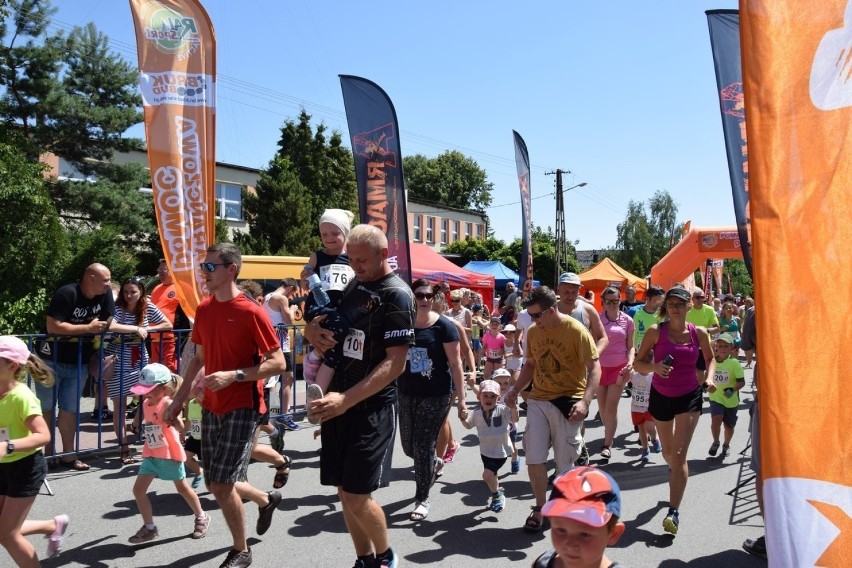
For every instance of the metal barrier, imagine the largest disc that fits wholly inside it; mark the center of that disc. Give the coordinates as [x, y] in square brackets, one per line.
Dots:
[89, 352]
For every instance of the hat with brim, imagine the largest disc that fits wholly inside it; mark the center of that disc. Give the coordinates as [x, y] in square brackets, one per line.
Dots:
[152, 376]
[679, 293]
[726, 337]
[584, 494]
[489, 386]
[13, 349]
[569, 278]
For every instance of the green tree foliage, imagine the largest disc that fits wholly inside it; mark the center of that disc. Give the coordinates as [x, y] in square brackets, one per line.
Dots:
[33, 243]
[451, 179]
[310, 173]
[740, 280]
[646, 234]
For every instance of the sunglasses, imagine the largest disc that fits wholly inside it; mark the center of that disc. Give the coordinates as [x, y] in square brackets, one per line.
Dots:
[134, 280]
[423, 296]
[211, 266]
[611, 302]
[539, 314]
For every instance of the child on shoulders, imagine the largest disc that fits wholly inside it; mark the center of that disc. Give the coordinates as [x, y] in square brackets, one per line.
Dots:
[492, 421]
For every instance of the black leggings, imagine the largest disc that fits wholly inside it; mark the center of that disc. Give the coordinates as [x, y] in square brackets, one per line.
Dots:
[420, 421]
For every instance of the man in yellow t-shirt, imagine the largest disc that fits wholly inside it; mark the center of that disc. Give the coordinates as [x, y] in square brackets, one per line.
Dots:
[562, 363]
[702, 314]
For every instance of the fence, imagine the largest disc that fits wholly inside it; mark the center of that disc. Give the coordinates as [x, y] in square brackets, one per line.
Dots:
[88, 359]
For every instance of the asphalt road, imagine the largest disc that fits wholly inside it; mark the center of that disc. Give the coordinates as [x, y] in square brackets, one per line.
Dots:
[308, 528]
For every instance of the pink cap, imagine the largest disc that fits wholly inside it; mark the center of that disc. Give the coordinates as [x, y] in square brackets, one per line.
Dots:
[14, 349]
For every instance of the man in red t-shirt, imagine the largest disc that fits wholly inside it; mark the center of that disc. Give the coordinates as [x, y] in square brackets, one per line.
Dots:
[238, 348]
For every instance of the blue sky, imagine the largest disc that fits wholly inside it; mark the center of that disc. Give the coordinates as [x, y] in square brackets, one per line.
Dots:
[621, 94]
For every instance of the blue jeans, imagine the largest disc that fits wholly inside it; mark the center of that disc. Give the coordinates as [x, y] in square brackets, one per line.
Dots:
[70, 380]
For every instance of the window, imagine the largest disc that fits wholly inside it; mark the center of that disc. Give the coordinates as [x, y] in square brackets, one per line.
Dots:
[430, 229]
[456, 230]
[417, 221]
[230, 201]
[469, 230]
[445, 229]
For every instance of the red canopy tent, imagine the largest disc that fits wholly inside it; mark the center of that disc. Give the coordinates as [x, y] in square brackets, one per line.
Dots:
[428, 264]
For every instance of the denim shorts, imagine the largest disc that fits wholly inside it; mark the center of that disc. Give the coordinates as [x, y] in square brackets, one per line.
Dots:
[70, 380]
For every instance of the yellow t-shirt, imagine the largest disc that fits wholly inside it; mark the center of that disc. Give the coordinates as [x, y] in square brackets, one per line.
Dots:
[18, 405]
[560, 355]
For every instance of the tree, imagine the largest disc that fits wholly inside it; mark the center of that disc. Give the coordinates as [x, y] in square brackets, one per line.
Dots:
[451, 179]
[642, 239]
[33, 252]
[741, 282]
[309, 174]
[476, 249]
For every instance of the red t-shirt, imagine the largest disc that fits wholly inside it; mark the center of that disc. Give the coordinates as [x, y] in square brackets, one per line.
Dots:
[235, 335]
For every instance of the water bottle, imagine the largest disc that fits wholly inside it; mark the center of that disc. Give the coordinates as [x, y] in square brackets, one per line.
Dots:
[320, 296]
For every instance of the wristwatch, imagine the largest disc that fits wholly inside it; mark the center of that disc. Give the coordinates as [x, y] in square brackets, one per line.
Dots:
[10, 448]
[240, 375]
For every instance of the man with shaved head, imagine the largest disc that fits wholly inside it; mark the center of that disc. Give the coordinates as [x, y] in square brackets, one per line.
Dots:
[76, 310]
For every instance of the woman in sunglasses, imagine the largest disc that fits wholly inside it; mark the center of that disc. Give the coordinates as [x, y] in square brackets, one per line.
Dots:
[432, 369]
[616, 364]
[135, 317]
[670, 350]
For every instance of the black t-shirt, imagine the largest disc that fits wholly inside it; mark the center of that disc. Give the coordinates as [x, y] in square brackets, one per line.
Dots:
[381, 315]
[625, 306]
[336, 280]
[427, 370]
[69, 305]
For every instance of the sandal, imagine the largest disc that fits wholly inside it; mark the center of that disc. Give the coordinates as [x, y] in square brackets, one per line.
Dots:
[421, 511]
[75, 465]
[126, 457]
[534, 523]
[606, 454]
[282, 473]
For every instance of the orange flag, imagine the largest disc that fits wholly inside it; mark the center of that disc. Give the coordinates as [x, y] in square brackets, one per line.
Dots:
[797, 71]
[177, 75]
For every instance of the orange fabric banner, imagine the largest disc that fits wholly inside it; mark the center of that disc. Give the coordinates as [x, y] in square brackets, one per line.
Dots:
[177, 75]
[797, 63]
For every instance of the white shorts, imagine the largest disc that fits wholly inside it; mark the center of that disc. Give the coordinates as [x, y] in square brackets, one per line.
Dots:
[546, 428]
[513, 363]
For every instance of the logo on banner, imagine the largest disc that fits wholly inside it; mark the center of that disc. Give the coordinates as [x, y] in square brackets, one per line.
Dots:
[170, 31]
[176, 88]
[374, 147]
[830, 87]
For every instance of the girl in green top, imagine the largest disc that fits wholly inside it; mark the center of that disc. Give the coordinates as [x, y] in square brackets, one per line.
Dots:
[23, 434]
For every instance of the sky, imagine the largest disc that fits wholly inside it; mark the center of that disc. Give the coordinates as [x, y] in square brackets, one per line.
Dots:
[620, 95]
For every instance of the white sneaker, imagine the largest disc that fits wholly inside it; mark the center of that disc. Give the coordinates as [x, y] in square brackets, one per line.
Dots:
[314, 392]
[54, 540]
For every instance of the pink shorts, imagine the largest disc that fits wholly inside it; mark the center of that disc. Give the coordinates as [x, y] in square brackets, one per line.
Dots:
[641, 417]
[609, 375]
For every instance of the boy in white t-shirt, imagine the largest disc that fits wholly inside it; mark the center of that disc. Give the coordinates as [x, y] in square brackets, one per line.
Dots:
[492, 421]
[642, 419]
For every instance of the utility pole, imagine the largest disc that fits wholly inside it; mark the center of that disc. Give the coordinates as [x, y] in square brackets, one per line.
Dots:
[560, 262]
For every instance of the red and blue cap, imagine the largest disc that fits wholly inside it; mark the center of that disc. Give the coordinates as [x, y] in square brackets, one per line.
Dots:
[584, 494]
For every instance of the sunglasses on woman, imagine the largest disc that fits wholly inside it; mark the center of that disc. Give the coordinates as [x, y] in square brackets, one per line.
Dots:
[423, 295]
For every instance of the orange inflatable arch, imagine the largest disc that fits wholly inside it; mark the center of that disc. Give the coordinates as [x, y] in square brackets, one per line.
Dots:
[695, 247]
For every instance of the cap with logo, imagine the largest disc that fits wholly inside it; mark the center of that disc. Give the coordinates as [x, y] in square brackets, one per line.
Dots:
[584, 494]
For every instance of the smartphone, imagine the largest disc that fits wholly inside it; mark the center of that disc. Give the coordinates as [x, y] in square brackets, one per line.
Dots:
[669, 360]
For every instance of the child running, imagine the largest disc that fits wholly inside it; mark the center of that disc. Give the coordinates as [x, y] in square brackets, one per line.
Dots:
[725, 400]
[192, 443]
[583, 510]
[642, 419]
[492, 421]
[503, 378]
[23, 434]
[494, 343]
[162, 454]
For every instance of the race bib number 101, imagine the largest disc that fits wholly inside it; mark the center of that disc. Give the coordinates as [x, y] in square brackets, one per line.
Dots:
[353, 345]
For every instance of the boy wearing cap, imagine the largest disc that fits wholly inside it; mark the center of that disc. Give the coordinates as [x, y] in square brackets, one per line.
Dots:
[583, 510]
[492, 421]
[729, 378]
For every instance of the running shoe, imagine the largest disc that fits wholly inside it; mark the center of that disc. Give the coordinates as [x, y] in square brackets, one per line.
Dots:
[197, 480]
[54, 540]
[755, 547]
[287, 421]
[102, 414]
[671, 522]
[646, 456]
[201, 526]
[450, 455]
[583, 459]
[656, 446]
[312, 392]
[237, 559]
[498, 501]
[714, 448]
[388, 560]
[264, 516]
[726, 450]
[144, 535]
[516, 465]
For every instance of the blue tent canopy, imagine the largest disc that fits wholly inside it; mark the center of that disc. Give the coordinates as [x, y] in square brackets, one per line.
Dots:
[502, 274]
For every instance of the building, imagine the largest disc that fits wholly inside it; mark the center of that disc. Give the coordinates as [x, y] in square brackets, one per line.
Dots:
[437, 225]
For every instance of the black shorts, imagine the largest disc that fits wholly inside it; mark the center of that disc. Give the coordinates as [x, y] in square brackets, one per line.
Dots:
[192, 445]
[23, 478]
[357, 449]
[665, 408]
[493, 464]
